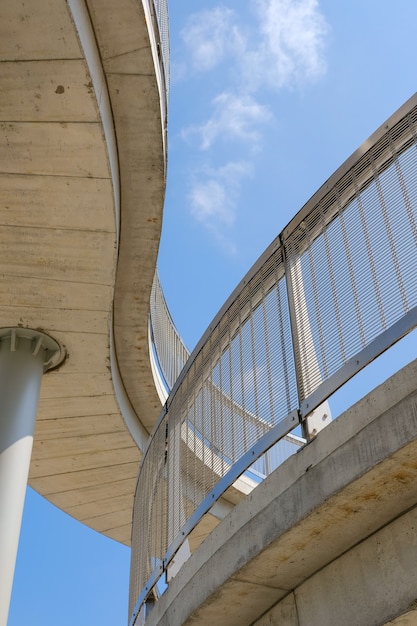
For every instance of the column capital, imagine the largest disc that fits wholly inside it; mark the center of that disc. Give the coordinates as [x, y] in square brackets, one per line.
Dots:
[54, 353]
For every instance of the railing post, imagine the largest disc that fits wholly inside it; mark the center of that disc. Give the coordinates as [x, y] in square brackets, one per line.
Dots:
[302, 345]
[176, 515]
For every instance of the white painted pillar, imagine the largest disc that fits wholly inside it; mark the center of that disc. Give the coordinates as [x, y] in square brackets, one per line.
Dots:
[24, 356]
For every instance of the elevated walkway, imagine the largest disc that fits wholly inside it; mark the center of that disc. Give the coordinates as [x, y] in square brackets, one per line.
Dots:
[333, 291]
[328, 538]
[82, 181]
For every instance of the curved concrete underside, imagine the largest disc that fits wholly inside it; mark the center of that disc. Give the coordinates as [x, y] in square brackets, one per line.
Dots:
[328, 538]
[60, 266]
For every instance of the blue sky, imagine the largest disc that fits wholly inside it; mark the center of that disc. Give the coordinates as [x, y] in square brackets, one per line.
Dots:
[268, 98]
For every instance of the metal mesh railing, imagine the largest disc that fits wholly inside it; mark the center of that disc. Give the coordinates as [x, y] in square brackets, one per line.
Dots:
[351, 258]
[335, 289]
[171, 355]
[156, 18]
[170, 351]
[161, 13]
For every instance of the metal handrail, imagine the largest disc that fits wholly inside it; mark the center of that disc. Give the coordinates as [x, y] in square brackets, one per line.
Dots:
[156, 16]
[166, 343]
[334, 290]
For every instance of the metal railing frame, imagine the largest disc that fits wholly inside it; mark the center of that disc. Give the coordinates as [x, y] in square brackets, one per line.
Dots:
[346, 186]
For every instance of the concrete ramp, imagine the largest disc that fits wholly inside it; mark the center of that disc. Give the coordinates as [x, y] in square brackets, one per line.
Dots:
[81, 197]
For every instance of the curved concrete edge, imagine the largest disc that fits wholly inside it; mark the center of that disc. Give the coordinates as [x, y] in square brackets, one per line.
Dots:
[134, 123]
[58, 259]
[85, 32]
[127, 48]
[84, 160]
[135, 427]
[87, 39]
[161, 82]
[409, 618]
[346, 486]
[159, 383]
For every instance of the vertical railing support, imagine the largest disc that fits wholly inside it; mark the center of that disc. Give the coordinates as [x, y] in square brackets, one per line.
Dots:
[321, 416]
[176, 511]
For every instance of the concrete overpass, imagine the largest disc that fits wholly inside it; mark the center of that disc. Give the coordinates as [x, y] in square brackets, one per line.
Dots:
[82, 182]
[83, 157]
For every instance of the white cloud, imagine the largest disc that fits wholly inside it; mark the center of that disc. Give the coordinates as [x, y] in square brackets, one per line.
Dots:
[234, 117]
[281, 46]
[286, 47]
[291, 45]
[210, 36]
[210, 202]
[286, 42]
[213, 198]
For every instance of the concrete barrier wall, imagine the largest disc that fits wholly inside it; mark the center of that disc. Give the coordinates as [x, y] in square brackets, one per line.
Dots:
[370, 585]
[328, 538]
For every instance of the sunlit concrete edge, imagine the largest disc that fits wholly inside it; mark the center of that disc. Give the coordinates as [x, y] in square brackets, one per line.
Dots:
[313, 526]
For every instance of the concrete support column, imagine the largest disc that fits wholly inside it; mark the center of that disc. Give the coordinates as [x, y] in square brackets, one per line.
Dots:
[24, 356]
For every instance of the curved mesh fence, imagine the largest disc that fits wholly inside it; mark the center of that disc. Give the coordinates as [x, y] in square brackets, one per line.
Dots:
[156, 16]
[161, 13]
[336, 288]
[351, 258]
[168, 346]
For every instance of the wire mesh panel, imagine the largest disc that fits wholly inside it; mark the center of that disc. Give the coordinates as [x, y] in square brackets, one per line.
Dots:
[352, 260]
[161, 12]
[170, 350]
[339, 285]
[150, 509]
[240, 384]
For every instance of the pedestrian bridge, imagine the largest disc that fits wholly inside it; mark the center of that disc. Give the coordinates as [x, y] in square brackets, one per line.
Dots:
[83, 102]
[334, 290]
[246, 489]
[83, 156]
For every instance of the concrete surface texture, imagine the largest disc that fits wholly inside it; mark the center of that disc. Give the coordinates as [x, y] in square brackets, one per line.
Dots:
[328, 538]
[63, 267]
